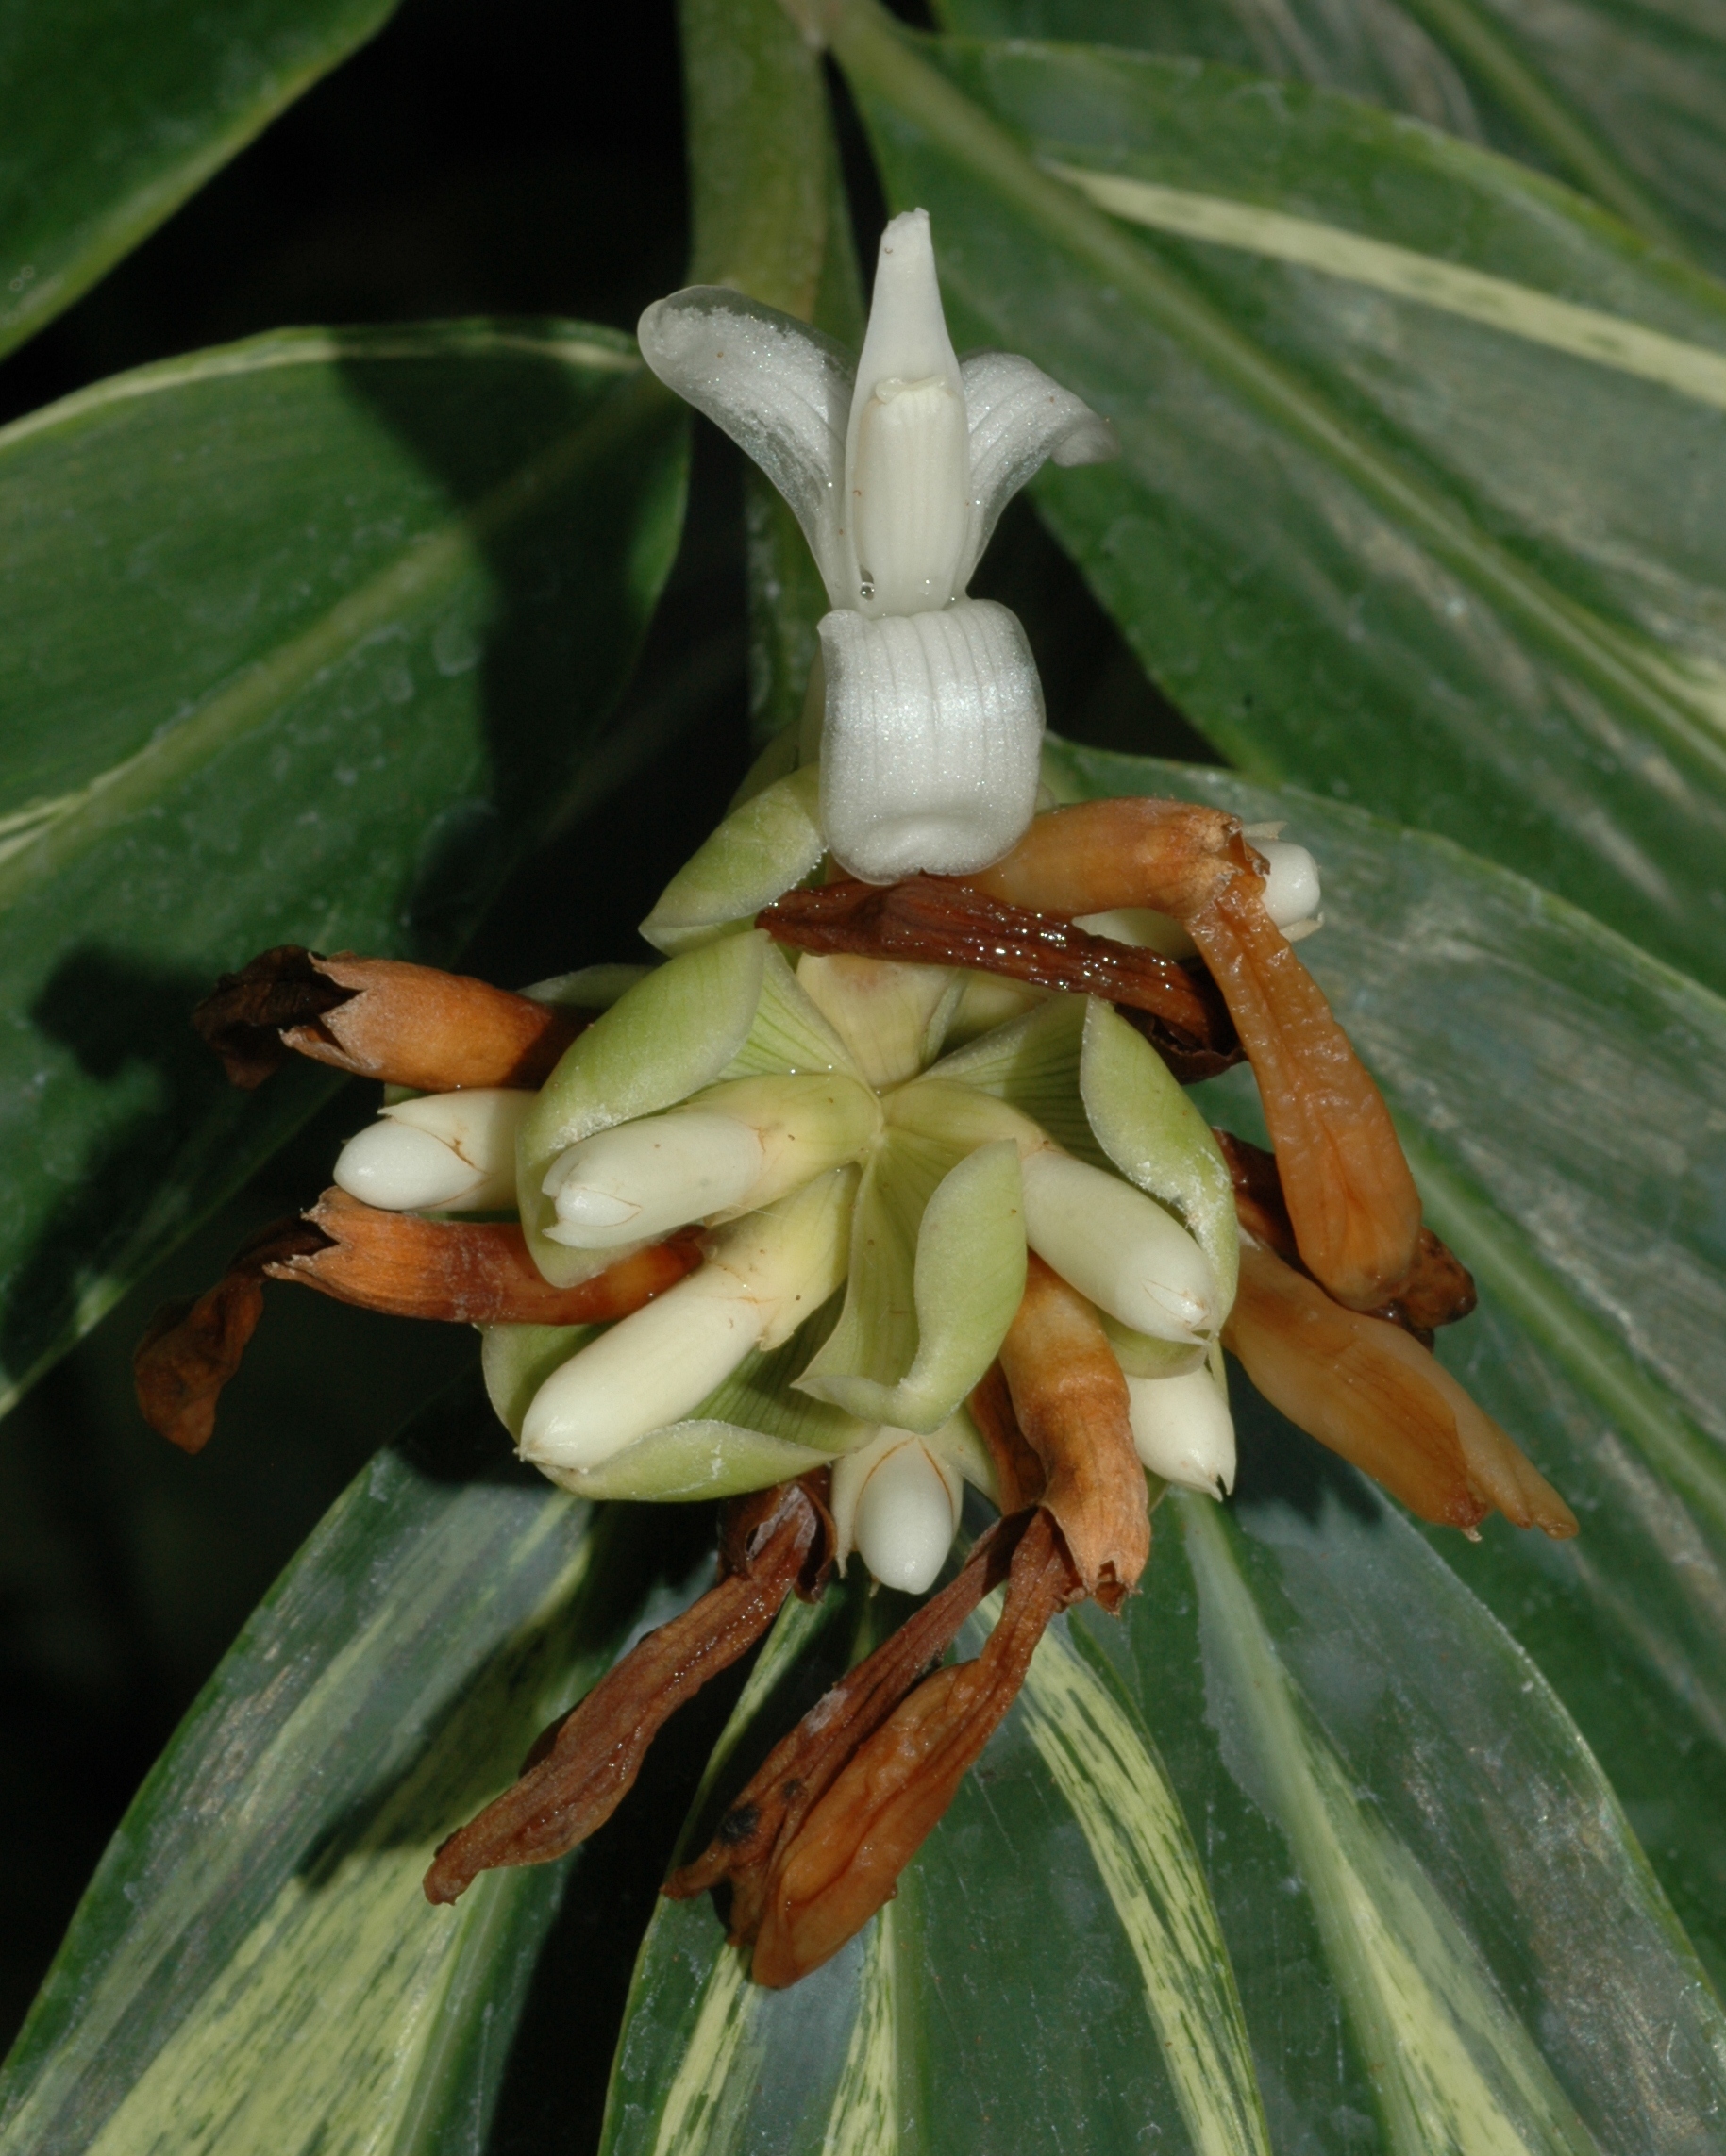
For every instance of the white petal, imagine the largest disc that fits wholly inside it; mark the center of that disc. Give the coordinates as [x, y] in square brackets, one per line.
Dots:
[1292, 894]
[928, 755]
[1018, 417]
[907, 456]
[1182, 1430]
[1118, 1247]
[781, 390]
[644, 1178]
[400, 1169]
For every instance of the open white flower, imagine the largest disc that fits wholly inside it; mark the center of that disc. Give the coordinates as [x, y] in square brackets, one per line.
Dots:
[898, 467]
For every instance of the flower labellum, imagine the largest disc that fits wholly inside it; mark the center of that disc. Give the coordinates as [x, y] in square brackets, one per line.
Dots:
[897, 469]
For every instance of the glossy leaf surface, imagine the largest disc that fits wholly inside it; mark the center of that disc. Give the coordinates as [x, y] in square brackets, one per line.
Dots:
[1414, 503]
[303, 641]
[255, 1966]
[113, 111]
[1627, 102]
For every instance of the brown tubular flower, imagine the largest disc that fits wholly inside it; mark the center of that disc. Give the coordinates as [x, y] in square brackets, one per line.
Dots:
[1439, 1290]
[1352, 1201]
[466, 1272]
[380, 1018]
[815, 1843]
[1371, 1392]
[832, 1877]
[462, 1272]
[583, 1766]
[1069, 1401]
[930, 921]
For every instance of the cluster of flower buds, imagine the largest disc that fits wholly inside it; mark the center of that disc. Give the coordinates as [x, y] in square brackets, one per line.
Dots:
[884, 1181]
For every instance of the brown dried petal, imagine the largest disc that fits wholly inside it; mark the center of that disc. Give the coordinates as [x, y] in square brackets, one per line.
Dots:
[467, 1271]
[1018, 1472]
[844, 1862]
[380, 1018]
[1070, 1400]
[1099, 856]
[929, 921]
[1439, 1290]
[190, 1350]
[1355, 1210]
[585, 1765]
[1373, 1395]
[804, 1764]
[243, 1016]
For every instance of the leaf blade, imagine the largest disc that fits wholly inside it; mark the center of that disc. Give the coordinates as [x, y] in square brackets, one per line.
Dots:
[97, 156]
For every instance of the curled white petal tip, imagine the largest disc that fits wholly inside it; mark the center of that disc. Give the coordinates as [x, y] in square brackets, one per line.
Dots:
[401, 1169]
[1182, 1430]
[897, 1506]
[1118, 1248]
[1292, 891]
[930, 752]
[644, 1178]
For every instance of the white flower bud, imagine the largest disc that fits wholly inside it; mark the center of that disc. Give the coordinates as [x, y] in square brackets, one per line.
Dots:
[764, 1277]
[1292, 894]
[650, 1368]
[402, 1170]
[930, 752]
[641, 1180]
[442, 1151]
[1182, 1430]
[1118, 1247]
[897, 1504]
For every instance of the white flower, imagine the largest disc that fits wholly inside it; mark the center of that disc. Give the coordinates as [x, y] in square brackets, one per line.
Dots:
[898, 467]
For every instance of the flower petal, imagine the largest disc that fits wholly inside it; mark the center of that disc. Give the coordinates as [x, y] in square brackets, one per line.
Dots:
[781, 390]
[906, 460]
[934, 725]
[1018, 419]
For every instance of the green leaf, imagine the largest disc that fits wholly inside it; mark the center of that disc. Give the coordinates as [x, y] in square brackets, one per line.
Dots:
[113, 113]
[1627, 104]
[255, 1966]
[1408, 507]
[940, 2024]
[303, 641]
